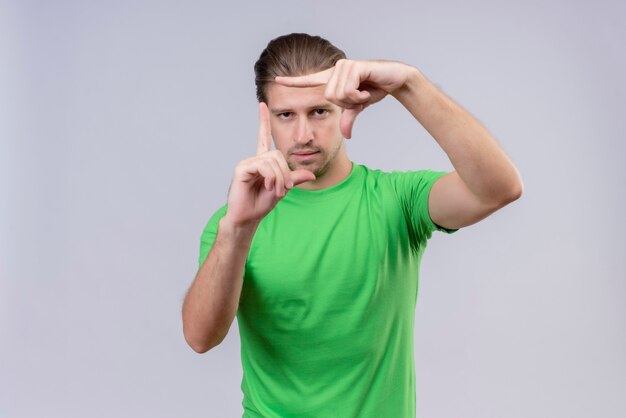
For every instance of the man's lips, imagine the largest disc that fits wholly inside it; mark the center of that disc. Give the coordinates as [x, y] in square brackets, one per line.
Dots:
[301, 156]
[305, 153]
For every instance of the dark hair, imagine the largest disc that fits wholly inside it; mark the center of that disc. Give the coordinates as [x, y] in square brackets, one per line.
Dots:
[293, 55]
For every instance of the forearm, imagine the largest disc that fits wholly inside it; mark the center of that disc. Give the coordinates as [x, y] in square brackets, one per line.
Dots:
[476, 156]
[212, 301]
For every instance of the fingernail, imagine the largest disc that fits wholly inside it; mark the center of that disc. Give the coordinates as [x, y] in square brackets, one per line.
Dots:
[290, 184]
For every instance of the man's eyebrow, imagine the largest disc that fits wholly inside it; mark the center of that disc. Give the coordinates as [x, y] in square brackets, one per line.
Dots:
[316, 106]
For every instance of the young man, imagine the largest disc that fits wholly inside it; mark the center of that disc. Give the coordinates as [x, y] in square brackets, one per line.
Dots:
[317, 256]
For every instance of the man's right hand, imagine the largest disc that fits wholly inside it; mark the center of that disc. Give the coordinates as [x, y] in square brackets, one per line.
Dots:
[260, 182]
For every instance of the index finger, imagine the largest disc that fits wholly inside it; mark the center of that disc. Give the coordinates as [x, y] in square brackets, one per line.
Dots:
[264, 137]
[310, 80]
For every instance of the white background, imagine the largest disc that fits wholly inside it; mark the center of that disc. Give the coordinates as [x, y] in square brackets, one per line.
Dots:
[121, 123]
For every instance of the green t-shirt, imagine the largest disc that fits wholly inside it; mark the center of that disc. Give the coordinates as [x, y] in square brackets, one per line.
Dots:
[327, 308]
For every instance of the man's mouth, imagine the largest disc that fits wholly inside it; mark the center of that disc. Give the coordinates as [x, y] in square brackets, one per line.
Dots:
[305, 155]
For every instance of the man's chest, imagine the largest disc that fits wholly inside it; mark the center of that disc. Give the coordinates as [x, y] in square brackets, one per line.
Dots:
[319, 262]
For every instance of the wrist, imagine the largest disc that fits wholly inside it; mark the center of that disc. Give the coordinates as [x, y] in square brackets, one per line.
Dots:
[414, 80]
[416, 94]
[237, 232]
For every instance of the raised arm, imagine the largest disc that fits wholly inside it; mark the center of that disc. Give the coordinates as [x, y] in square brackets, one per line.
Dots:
[485, 178]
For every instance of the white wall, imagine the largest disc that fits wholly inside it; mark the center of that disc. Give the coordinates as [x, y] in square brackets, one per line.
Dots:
[120, 125]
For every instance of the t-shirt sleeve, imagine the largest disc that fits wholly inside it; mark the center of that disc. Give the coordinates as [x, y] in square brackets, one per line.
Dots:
[209, 233]
[412, 189]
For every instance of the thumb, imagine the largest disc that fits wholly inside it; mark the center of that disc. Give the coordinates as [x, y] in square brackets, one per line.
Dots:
[300, 176]
[347, 120]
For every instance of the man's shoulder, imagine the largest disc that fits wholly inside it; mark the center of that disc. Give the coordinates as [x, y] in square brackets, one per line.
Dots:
[393, 173]
[371, 171]
[400, 181]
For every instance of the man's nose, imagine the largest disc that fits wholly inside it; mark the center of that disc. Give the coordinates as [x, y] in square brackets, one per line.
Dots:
[304, 133]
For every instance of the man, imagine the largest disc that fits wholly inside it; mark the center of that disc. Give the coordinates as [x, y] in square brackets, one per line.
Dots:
[317, 256]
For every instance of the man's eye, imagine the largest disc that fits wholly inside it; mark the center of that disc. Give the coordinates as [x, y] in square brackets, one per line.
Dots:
[284, 115]
[320, 112]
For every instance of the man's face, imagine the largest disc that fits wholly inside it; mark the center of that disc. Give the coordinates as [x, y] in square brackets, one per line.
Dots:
[304, 122]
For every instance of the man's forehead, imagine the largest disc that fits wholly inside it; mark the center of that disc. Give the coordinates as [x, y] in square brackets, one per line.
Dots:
[282, 98]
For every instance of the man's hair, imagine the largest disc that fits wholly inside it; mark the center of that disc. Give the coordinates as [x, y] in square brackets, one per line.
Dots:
[293, 55]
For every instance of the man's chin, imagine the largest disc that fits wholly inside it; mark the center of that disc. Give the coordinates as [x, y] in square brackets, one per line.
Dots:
[318, 168]
[309, 166]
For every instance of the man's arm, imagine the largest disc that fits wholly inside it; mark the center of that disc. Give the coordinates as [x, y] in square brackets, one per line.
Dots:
[258, 184]
[211, 303]
[485, 179]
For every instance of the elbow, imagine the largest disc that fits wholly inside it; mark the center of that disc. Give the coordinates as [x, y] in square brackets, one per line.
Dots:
[198, 347]
[198, 344]
[518, 187]
[517, 190]
[514, 192]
